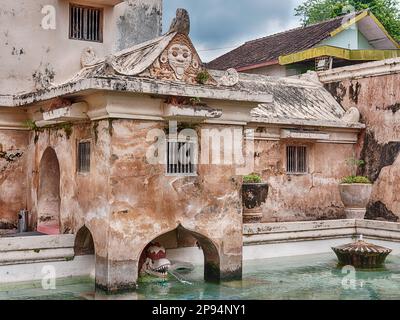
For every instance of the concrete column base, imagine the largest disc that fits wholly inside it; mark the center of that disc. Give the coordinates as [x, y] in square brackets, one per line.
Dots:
[229, 269]
[252, 215]
[116, 276]
[355, 213]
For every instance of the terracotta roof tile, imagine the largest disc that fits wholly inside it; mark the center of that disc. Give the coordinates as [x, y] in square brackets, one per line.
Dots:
[269, 48]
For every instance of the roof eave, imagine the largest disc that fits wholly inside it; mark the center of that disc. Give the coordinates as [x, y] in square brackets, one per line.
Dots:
[358, 18]
[138, 85]
[258, 65]
[309, 123]
[342, 53]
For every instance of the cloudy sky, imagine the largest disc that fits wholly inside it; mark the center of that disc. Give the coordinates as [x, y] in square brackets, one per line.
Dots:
[226, 24]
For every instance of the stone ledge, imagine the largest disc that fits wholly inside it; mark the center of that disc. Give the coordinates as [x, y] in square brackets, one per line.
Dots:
[256, 234]
[137, 85]
[369, 69]
[280, 227]
[80, 266]
[21, 250]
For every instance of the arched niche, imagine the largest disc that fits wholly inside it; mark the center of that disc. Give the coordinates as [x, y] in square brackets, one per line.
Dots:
[49, 193]
[84, 244]
[212, 271]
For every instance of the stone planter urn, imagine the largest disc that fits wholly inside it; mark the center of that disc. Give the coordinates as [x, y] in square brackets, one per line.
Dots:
[355, 198]
[254, 196]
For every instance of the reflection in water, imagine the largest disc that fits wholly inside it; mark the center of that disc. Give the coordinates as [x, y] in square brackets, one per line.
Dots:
[100, 295]
[179, 277]
[294, 278]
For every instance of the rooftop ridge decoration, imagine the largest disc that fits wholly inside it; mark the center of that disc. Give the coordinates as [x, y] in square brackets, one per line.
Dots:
[171, 57]
[181, 23]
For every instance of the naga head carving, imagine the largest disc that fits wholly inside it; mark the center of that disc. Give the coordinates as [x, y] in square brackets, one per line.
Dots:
[154, 261]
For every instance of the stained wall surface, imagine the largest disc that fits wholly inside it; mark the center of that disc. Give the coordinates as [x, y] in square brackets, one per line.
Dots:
[32, 56]
[377, 96]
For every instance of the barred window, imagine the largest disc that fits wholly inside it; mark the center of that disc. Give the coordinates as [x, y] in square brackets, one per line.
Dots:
[181, 158]
[85, 23]
[84, 157]
[296, 160]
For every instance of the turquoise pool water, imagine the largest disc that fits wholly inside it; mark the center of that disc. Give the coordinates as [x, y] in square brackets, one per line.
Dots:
[301, 278]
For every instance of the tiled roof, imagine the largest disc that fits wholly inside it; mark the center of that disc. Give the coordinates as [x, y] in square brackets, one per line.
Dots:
[286, 101]
[270, 48]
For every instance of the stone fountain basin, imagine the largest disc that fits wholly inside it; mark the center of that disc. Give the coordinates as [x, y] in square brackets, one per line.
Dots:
[362, 255]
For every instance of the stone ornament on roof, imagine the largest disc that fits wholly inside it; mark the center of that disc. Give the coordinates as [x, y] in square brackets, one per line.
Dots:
[171, 57]
[181, 23]
[230, 78]
[352, 116]
[89, 57]
[178, 62]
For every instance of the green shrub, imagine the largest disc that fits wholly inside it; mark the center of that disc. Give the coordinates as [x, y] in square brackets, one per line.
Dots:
[203, 77]
[252, 178]
[356, 179]
[31, 125]
[195, 101]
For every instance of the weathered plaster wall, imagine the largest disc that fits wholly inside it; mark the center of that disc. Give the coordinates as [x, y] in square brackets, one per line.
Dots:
[31, 56]
[126, 203]
[83, 196]
[13, 176]
[378, 99]
[145, 203]
[137, 21]
[313, 196]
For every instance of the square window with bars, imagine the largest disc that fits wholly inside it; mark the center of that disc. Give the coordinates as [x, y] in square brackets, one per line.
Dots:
[296, 160]
[83, 160]
[181, 158]
[85, 23]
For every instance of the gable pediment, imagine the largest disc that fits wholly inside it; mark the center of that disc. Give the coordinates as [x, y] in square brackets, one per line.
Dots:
[179, 61]
[171, 57]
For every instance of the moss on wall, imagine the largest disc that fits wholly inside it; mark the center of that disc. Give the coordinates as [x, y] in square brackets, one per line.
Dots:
[379, 211]
[377, 156]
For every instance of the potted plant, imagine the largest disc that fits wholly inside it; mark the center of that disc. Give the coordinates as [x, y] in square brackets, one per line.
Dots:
[254, 195]
[355, 192]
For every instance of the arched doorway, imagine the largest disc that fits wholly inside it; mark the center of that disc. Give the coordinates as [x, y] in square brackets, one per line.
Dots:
[49, 193]
[84, 244]
[184, 238]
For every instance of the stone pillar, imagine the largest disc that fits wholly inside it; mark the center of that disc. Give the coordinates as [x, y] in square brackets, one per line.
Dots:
[228, 270]
[116, 276]
[225, 262]
[231, 268]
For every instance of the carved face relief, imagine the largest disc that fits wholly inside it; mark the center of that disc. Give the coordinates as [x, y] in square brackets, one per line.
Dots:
[180, 58]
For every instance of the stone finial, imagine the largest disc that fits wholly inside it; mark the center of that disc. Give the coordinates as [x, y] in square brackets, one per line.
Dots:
[352, 116]
[108, 65]
[88, 57]
[230, 78]
[311, 76]
[181, 23]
